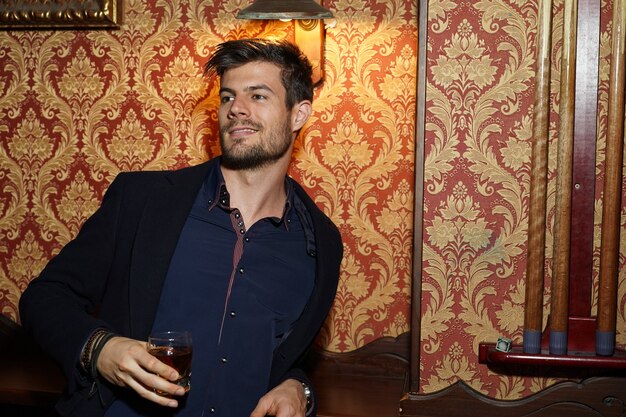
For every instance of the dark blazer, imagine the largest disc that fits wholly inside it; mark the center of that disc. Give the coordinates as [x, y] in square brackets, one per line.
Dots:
[112, 273]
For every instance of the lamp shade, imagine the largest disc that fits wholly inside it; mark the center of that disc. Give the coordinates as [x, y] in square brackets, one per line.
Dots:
[284, 9]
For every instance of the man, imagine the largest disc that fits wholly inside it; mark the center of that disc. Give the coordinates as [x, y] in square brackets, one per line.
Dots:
[232, 250]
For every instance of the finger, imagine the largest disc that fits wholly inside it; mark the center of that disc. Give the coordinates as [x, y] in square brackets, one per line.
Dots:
[152, 381]
[285, 411]
[165, 387]
[141, 374]
[153, 394]
[155, 366]
[261, 409]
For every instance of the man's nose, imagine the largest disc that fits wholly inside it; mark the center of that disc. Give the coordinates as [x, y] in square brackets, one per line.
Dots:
[238, 108]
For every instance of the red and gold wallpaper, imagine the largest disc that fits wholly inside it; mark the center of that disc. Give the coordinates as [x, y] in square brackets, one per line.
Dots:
[79, 106]
[480, 92]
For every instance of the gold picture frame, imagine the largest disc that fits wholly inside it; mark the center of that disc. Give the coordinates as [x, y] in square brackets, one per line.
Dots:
[60, 14]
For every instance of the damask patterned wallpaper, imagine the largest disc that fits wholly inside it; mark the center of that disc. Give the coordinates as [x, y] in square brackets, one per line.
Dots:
[481, 69]
[77, 107]
[481, 74]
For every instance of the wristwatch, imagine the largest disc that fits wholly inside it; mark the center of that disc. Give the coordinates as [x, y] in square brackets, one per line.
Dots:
[308, 394]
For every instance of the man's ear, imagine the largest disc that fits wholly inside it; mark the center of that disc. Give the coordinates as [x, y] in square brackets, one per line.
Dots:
[300, 114]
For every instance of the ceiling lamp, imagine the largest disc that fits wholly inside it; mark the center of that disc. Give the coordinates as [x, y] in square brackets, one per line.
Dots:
[309, 33]
[285, 10]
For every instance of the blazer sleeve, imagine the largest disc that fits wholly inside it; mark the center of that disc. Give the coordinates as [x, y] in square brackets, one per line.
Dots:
[58, 307]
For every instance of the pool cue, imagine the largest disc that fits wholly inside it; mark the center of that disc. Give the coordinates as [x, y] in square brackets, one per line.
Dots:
[559, 299]
[533, 310]
[612, 197]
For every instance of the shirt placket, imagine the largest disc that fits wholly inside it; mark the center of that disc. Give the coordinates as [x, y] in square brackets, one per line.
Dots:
[237, 271]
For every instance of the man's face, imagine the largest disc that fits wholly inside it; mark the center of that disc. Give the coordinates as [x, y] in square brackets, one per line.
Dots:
[255, 125]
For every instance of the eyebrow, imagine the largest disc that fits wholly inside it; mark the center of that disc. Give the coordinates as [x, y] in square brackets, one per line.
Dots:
[264, 87]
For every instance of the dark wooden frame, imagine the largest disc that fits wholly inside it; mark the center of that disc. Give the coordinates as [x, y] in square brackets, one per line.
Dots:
[418, 204]
[60, 14]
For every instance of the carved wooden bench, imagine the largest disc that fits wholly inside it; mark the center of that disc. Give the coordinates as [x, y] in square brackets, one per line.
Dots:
[368, 382]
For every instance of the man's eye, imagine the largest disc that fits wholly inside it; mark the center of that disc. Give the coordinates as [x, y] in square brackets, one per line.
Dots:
[258, 97]
[225, 99]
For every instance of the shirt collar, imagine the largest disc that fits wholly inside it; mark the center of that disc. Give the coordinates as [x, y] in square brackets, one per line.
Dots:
[216, 194]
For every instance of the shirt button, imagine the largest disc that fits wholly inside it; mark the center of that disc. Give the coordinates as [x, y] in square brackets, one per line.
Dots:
[223, 360]
[247, 239]
[242, 231]
[233, 314]
[241, 270]
[212, 410]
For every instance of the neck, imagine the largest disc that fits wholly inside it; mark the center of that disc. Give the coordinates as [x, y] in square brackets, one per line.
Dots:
[257, 193]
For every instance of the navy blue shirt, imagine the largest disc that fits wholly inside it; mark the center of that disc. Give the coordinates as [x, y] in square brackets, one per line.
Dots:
[239, 291]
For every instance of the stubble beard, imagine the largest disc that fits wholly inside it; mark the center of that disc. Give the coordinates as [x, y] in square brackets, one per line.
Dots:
[271, 146]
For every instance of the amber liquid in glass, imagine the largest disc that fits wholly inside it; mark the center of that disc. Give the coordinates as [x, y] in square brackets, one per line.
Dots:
[179, 358]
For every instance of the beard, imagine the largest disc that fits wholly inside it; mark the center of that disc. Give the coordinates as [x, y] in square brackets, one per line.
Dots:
[271, 146]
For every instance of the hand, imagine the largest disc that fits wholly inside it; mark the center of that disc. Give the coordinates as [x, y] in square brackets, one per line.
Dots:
[127, 363]
[285, 400]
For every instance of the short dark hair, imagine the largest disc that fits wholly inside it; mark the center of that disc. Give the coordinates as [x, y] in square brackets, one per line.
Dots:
[296, 70]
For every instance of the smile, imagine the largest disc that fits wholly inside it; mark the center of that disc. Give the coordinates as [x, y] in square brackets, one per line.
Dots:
[242, 130]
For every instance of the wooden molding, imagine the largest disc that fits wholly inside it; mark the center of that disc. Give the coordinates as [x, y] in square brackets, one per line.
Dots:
[367, 382]
[384, 357]
[601, 396]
